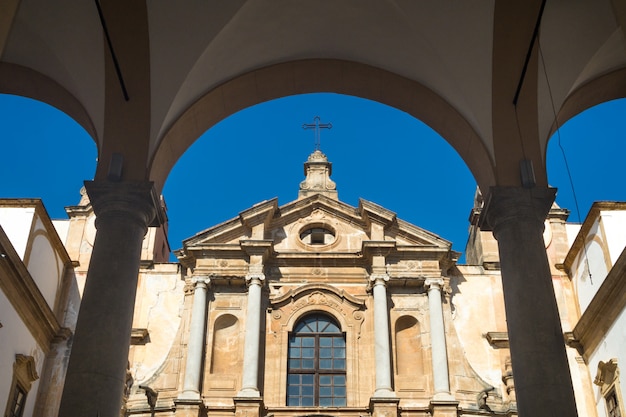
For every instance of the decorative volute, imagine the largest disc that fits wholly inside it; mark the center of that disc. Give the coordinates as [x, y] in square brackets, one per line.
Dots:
[318, 170]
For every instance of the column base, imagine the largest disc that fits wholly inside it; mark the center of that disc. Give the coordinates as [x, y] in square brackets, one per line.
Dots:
[189, 407]
[248, 407]
[249, 393]
[384, 393]
[444, 408]
[443, 397]
[189, 396]
[384, 407]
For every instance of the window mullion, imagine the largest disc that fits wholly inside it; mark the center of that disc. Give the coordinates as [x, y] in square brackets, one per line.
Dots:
[317, 370]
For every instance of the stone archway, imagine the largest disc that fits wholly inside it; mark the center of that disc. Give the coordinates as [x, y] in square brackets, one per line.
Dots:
[323, 75]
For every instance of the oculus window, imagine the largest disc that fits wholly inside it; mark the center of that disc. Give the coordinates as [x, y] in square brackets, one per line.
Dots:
[317, 363]
[317, 236]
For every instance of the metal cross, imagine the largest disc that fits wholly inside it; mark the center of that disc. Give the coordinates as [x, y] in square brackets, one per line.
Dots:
[317, 126]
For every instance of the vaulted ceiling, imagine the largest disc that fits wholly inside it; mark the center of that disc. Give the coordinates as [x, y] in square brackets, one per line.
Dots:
[181, 67]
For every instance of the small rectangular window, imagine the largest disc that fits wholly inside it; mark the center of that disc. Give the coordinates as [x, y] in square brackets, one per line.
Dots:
[16, 408]
[612, 405]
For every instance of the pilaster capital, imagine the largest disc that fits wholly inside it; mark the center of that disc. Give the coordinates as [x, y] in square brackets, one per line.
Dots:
[255, 278]
[516, 205]
[134, 200]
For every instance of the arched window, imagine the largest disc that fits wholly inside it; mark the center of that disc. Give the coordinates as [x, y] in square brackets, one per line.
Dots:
[317, 363]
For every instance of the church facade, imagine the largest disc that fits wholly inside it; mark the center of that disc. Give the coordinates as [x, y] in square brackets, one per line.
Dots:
[319, 308]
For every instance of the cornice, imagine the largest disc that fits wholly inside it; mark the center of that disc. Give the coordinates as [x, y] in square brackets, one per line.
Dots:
[259, 213]
[374, 212]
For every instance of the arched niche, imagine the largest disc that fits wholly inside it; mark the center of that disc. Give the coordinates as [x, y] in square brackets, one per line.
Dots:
[408, 342]
[226, 349]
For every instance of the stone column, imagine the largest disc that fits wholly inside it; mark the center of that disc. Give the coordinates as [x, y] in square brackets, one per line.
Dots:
[543, 384]
[381, 336]
[97, 367]
[439, 353]
[250, 378]
[195, 344]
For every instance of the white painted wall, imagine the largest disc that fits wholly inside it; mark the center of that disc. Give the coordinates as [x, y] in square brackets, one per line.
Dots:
[572, 230]
[614, 225]
[612, 346]
[17, 222]
[593, 260]
[607, 231]
[44, 263]
[62, 227]
[15, 338]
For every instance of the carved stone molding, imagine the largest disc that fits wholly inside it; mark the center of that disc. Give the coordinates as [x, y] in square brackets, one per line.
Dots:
[498, 340]
[25, 370]
[607, 373]
[286, 308]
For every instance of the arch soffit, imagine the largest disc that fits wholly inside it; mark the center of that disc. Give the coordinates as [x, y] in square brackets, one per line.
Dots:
[25, 82]
[610, 86]
[322, 75]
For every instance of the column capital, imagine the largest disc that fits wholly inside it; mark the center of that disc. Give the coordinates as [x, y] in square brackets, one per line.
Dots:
[434, 283]
[201, 281]
[377, 279]
[134, 200]
[505, 205]
[255, 278]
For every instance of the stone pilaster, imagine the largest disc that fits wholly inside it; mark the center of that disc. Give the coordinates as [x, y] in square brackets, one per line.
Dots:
[97, 368]
[441, 381]
[381, 336]
[195, 344]
[543, 385]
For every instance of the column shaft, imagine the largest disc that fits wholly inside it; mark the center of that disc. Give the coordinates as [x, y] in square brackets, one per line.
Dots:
[438, 339]
[250, 376]
[97, 367]
[381, 338]
[543, 383]
[195, 344]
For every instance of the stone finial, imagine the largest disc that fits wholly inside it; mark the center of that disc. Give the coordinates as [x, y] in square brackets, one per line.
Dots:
[318, 171]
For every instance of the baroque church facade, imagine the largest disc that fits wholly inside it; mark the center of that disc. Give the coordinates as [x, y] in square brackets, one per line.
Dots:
[317, 308]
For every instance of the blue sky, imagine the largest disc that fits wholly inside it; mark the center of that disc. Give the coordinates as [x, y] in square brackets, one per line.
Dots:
[378, 153]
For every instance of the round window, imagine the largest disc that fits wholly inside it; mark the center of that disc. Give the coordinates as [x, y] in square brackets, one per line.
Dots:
[318, 235]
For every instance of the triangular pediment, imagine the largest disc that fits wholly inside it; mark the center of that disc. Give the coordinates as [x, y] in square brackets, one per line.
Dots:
[289, 226]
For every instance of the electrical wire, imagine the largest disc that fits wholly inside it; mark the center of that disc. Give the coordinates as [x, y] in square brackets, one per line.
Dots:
[567, 168]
